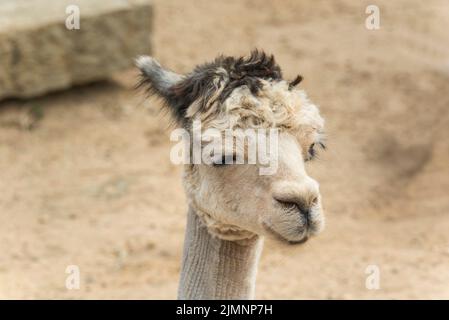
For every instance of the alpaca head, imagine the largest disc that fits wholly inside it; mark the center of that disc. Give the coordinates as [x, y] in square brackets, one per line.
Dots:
[229, 96]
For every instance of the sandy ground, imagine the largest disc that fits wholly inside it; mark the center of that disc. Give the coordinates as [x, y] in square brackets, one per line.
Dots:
[85, 176]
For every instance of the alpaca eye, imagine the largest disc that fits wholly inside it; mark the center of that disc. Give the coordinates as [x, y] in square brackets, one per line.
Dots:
[312, 152]
[224, 160]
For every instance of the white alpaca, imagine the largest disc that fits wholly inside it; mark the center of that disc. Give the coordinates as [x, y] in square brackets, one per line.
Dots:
[231, 207]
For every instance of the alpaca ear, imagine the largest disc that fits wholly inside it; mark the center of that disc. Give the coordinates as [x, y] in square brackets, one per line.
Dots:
[156, 79]
[295, 82]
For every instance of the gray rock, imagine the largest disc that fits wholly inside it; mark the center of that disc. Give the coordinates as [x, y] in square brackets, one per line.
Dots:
[38, 53]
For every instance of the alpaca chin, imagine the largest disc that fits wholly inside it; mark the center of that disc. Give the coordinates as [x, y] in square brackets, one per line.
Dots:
[294, 234]
[297, 238]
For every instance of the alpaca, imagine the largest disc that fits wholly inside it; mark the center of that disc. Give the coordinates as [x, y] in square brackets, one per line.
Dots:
[232, 208]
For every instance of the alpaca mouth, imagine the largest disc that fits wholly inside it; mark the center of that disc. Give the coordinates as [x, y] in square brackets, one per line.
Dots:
[299, 241]
[282, 238]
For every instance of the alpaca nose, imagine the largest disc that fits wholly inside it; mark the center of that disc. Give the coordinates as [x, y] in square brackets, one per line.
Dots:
[297, 196]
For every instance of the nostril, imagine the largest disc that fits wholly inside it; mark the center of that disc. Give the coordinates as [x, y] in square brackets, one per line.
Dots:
[297, 206]
[287, 205]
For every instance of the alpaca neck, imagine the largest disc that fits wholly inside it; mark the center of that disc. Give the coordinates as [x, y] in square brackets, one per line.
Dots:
[213, 268]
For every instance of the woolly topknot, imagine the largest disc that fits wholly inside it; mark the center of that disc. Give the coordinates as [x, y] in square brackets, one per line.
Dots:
[208, 83]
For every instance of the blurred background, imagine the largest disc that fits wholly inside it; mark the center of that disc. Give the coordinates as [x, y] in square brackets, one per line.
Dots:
[85, 175]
